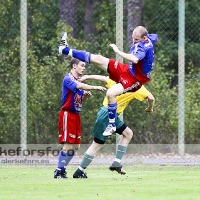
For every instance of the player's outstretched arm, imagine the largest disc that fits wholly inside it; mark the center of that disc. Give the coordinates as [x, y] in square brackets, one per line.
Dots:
[94, 77]
[84, 86]
[127, 56]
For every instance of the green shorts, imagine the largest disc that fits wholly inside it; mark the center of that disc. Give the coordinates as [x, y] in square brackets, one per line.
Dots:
[102, 122]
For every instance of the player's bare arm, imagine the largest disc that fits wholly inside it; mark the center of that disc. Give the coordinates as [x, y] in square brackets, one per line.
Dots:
[93, 77]
[84, 86]
[128, 56]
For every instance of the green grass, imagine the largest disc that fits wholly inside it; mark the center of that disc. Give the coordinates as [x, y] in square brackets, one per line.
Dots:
[140, 183]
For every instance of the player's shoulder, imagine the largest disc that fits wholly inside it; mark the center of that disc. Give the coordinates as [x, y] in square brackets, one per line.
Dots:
[70, 78]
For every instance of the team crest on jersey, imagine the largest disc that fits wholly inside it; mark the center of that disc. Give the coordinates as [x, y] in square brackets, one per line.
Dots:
[78, 102]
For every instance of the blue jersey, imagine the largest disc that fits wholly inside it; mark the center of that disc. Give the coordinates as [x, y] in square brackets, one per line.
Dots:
[72, 97]
[144, 51]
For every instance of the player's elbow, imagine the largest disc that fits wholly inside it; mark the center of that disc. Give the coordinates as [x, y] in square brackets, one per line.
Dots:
[79, 85]
[135, 60]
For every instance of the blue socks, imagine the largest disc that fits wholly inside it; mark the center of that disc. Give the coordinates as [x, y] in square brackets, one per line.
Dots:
[66, 50]
[64, 159]
[112, 110]
[81, 55]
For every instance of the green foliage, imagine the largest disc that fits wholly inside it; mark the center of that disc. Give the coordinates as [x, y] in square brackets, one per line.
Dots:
[46, 70]
[10, 94]
[10, 22]
[192, 112]
[163, 19]
[105, 27]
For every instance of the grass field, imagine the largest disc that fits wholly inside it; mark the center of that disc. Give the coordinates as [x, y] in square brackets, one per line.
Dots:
[140, 183]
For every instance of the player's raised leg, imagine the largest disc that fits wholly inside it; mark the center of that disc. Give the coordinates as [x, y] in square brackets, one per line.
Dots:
[84, 56]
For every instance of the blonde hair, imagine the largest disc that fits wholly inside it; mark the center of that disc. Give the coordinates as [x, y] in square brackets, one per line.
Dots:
[141, 30]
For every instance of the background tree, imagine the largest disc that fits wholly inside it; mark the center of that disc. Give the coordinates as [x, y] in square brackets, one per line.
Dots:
[89, 25]
[134, 18]
[68, 13]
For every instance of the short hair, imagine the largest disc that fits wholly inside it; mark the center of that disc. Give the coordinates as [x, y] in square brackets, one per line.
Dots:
[142, 30]
[74, 61]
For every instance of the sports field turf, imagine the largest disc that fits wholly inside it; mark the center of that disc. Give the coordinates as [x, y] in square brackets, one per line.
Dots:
[19, 182]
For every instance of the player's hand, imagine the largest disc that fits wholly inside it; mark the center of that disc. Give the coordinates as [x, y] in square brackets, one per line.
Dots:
[99, 88]
[150, 110]
[87, 93]
[115, 48]
[83, 78]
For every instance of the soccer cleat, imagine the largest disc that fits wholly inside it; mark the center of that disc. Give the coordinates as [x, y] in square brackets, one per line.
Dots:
[77, 175]
[58, 173]
[109, 130]
[119, 169]
[63, 42]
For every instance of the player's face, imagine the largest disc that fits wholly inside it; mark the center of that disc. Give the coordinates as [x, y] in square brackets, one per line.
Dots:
[80, 68]
[136, 37]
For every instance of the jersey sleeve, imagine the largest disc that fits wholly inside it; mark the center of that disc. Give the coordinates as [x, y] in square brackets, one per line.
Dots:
[69, 83]
[139, 51]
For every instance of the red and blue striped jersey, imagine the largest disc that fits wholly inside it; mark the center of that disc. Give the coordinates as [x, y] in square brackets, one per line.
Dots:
[72, 97]
[144, 51]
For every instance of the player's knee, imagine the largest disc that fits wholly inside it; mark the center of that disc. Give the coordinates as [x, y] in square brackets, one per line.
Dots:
[70, 152]
[70, 149]
[110, 94]
[128, 133]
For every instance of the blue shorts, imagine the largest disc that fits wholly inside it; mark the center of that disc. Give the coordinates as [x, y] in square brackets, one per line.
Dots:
[101, 124]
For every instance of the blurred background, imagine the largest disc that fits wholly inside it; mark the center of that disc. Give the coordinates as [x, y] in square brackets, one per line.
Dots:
[30, 81]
